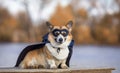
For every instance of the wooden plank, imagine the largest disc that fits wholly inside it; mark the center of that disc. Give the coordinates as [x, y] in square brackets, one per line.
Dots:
[16, 70]
[97, 70]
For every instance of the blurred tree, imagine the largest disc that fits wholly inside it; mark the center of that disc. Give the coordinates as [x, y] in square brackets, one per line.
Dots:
[29, 22]
[7, 25]
[62, 15]
[118, 2]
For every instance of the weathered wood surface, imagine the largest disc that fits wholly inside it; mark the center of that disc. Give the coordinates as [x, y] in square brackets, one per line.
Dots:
[16, 70]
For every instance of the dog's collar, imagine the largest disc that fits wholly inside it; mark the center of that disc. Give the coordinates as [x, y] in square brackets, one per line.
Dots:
[58, 48]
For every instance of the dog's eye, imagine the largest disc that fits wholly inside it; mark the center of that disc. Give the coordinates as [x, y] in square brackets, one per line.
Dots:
[57, 33]
[64, 33]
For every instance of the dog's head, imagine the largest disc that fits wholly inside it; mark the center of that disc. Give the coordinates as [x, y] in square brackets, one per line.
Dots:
[60, 34]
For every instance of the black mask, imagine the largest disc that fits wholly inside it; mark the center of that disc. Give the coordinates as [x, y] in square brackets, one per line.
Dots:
[63, 32]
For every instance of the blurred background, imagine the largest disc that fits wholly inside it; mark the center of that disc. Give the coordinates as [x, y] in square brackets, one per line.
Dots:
[96, 29]
[95, 21]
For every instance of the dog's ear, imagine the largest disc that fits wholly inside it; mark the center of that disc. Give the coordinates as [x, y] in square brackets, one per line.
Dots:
[50, 26]
[69, 24]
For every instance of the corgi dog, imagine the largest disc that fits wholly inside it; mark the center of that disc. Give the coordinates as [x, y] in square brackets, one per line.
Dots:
[53, 54]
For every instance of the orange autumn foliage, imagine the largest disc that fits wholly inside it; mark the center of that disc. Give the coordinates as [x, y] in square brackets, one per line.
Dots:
[62, 15]
[82, 12]
[7, 25]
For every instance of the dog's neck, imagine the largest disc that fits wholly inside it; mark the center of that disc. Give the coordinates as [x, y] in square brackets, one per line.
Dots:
[58, 46]
[58, 52]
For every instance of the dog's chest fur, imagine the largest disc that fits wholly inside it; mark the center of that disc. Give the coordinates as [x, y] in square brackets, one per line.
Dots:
[60, 54]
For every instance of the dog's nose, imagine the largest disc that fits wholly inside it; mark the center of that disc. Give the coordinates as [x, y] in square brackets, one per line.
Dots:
[60, 40]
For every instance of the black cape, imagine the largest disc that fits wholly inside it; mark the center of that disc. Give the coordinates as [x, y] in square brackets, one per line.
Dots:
[40, 45]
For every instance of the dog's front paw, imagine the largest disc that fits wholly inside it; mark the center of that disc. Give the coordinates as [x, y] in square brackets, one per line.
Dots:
[53, 67]
[64, 66]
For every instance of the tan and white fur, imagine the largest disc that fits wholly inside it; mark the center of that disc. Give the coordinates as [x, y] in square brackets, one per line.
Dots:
[49, 56]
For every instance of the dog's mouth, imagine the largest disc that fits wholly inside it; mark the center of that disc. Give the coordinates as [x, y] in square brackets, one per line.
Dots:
[60, 41]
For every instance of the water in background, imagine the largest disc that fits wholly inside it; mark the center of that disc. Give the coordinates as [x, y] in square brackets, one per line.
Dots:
[83, 56]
